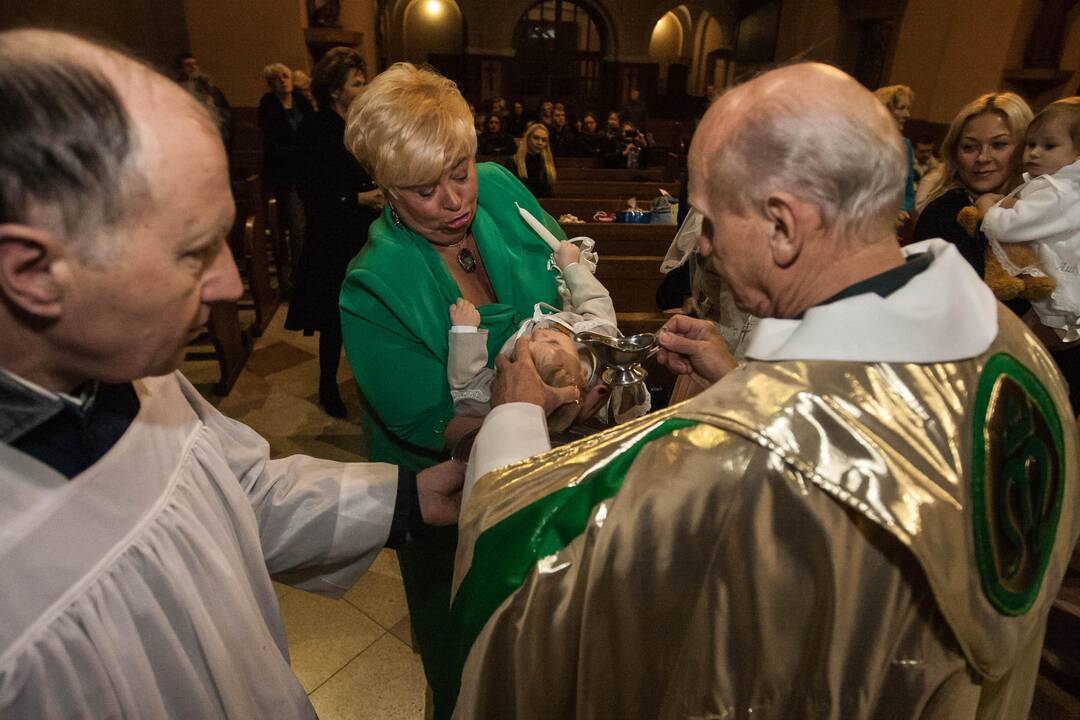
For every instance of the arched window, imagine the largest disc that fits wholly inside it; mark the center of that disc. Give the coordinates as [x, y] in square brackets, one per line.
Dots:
[560, 48]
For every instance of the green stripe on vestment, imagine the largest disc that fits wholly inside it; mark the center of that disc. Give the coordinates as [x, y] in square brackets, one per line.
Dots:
[506, 553]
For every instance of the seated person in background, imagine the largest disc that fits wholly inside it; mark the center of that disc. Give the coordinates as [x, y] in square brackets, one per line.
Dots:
[632, 149]
[613, 126]
[635, 110]
[302, 82]
[191, 78]
[560, 361]
[497, 106]
[594, 142]
[516, 120]
[533, 162]
[564, 140]
[495, 140]
[925, 160]
[546, 114]
[479, 119]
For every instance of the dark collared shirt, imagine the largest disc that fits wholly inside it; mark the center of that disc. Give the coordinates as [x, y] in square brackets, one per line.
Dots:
[886, 283]
[61, 432]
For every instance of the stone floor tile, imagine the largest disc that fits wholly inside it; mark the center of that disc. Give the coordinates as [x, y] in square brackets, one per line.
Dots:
[274, 357]
[386, 682]
[323, 635]
[403, 631]
[381, 596]
[387, 562]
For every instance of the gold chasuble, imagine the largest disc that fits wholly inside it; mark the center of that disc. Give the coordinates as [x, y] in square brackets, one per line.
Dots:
[806, 539]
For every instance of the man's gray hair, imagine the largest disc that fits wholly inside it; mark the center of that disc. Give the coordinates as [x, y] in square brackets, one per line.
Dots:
[853, 169]
[67, 148]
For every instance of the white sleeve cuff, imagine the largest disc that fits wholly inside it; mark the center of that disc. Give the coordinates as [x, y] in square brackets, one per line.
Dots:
[510, 432]
[465, 329]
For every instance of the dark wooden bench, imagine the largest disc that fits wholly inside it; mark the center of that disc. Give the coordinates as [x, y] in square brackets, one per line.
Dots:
[618, 188]
[632, 281]
[625, 238]
[251, 247]
[585, 207]
[652, 175]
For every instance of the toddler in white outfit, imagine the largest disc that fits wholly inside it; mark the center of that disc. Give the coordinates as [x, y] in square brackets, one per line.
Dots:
[1045, 212]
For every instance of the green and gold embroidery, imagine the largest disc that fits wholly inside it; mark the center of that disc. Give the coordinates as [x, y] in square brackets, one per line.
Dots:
[1017, 483]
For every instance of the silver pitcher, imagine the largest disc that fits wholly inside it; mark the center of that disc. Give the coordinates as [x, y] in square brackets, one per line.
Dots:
[619, 362]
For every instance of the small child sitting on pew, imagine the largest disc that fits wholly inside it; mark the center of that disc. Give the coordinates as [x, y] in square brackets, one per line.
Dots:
[560, 360]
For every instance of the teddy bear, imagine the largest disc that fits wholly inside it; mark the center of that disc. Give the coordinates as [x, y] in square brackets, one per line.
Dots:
[1006, 286]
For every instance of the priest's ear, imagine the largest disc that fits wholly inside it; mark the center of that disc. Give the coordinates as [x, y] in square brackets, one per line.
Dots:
[33, 265]
[793, 221]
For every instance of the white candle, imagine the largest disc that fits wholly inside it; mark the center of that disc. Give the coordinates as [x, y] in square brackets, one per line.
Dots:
[543, 232]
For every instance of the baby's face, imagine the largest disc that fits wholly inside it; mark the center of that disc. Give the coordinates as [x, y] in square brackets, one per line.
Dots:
[552, 349]
[1048, 149]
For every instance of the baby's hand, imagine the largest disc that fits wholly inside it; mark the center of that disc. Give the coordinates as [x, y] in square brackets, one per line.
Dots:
[464, 312]
[567, 254]
[985, 202]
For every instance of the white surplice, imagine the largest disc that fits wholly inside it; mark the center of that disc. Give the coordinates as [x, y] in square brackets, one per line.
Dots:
[140, 587]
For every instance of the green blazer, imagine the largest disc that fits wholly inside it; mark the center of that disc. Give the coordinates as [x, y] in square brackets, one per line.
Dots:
[395, 315]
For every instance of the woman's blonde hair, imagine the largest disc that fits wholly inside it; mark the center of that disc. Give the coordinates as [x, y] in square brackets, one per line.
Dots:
[1010, 107]
[409, 127]
[274, 69]
[890, 95]
[523, 150]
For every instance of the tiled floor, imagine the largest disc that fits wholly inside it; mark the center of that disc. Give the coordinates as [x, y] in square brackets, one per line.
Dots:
[354, 655]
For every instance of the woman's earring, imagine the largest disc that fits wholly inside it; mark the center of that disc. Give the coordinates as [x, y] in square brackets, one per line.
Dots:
[393, 214]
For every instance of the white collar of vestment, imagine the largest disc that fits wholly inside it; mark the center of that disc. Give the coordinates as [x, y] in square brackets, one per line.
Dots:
[76, 400]
[943, 314]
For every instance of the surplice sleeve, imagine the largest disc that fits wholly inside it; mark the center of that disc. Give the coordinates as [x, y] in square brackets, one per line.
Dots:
[321, 523]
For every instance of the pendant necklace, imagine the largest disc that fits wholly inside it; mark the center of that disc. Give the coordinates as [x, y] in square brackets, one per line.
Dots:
[465, 258]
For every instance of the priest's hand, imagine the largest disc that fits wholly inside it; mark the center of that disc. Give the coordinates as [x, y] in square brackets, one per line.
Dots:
[517, 380]
[693, 346]
[439, 491]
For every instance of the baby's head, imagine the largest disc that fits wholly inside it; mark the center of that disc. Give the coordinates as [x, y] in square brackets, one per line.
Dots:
[1053, 138]
[557, 359]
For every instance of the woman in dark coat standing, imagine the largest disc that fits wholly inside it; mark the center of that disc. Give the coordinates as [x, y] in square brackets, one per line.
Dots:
[281, 113]
[340, 202]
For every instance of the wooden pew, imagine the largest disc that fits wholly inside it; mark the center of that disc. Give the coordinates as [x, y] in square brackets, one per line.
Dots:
[633, 323]
[251, 251]
[632, 281]
[277, 234]
[585, 207]
[231, 345]
[653, 175]
[625, 238]
[560, 162]
[571, 162]
[618, 188]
